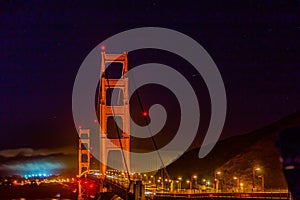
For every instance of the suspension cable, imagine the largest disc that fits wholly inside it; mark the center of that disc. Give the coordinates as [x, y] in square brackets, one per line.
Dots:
[149, 130]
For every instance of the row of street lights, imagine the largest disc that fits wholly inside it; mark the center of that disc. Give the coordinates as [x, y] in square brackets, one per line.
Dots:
[192, 182]
[179, 182]
[240, 185]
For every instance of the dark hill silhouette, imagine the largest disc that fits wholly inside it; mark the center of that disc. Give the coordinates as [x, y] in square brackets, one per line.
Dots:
[236, 156]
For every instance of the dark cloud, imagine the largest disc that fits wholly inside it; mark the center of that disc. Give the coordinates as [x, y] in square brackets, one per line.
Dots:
[29, 152]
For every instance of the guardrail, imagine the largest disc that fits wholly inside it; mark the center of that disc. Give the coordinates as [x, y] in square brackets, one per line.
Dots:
[236, 196]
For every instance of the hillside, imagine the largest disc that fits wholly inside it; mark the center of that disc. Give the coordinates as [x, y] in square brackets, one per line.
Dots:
[236, 156]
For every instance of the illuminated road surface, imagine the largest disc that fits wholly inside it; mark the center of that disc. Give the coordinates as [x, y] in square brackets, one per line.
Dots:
[43, 191]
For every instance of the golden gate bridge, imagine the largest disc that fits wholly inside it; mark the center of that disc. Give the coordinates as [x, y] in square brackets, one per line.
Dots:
[125, 183]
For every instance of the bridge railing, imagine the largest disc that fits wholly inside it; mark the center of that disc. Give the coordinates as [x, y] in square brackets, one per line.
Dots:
[224, 195]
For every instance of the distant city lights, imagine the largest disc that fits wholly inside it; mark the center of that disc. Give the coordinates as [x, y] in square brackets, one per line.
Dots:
[35, 169]
[39, 175]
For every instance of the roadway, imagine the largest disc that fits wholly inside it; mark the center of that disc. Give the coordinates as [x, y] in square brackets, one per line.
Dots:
[119, 183]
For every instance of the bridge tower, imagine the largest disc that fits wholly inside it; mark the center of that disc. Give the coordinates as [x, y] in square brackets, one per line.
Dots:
[84, 150]
[109, 111]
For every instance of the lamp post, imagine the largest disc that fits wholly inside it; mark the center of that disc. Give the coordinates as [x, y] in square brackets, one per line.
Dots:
[146, 178]
[188, 182]
[158, 182]
[237, 182]
[242, 187]
[161, 182]
[179, 179]
[171, 186]
[152, 179]
[253, 177]
[207, 183]
[262, 182]
[195, 178]
[216, 181]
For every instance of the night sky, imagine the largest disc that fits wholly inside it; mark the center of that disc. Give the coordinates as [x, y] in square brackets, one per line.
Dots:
[255, 45]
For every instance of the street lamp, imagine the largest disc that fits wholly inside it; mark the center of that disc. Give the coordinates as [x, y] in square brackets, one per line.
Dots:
[179, 179]
[242, 187]
[188, 182]
[158, 183]
[216, 181]
[146, 177]
[191, 185]
[195, 177]
[262, 182]
[152, 178]
[237, 181]
[166, 183]
[161, 181]
[253, 177]
[207, 183]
